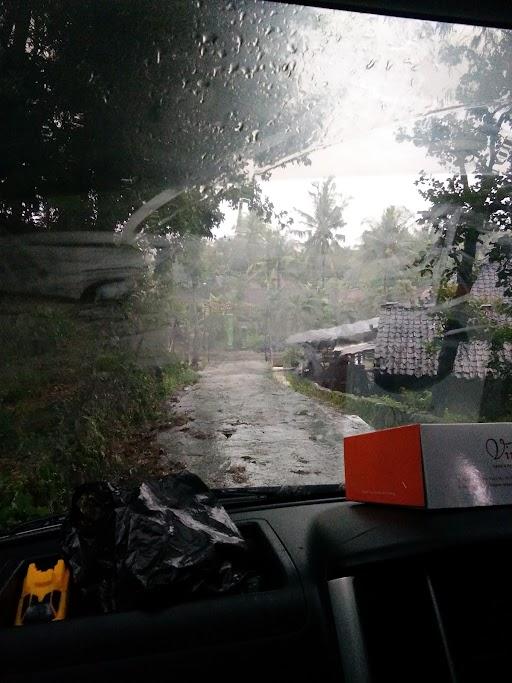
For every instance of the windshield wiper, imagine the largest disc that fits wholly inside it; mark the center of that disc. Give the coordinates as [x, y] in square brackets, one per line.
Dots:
[278, 494]
[42, 524]
[231, 497]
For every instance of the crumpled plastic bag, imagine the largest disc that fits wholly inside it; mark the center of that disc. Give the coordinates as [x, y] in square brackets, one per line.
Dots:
[162, 540]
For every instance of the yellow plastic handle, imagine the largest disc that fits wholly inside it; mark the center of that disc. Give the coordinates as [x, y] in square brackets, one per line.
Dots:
[49, 588]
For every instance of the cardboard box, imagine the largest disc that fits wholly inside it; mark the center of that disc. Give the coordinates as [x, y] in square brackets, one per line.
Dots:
[431, 465]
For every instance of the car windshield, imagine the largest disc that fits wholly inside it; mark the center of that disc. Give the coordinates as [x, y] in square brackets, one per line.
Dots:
[234, 233]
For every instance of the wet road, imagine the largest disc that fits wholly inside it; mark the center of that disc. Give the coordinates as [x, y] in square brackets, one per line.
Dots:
[239, 426]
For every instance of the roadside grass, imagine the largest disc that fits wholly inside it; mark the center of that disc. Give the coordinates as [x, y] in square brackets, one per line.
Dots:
[73, 408]
[381, 411]
[378, 411]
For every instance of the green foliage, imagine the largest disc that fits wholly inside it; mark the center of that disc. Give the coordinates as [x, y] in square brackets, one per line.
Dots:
[433, 347]
[501, 340]
[292, 356]
[267, 280]
[463, 215]
[99, 144]
[109, 362]
[61, 427]
[175, 376]
[389, 237]
[502, 307]
[446, 291]
[254, 341]
[450, 416]
[322, 228]
[417, 401]
[387, 255]
[378, 411]
[470, 210]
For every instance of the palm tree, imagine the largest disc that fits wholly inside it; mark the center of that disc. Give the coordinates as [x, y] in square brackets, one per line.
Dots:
[389, 236]
[322, 229]
[388, 247]
[272, 265]
[275, 260]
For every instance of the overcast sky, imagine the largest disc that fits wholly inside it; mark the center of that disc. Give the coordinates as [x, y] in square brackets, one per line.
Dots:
[371, 76]
[372, 172]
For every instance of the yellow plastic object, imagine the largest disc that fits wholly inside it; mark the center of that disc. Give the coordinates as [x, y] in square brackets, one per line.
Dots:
[44, 597]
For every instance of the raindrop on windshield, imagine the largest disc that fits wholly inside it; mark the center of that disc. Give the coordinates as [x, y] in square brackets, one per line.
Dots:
[208, 38]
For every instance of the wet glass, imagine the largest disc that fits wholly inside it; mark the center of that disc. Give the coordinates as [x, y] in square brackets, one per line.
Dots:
[235, 232]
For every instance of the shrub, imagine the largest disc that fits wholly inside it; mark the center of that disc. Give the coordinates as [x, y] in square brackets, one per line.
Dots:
[292, 357]
[64, 411]
[417, 401]
[378, 411]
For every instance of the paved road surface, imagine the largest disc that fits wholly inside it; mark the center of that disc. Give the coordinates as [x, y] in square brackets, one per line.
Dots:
[238, 426]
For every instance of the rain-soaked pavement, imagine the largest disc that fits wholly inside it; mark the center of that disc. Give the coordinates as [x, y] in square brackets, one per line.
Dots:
[239, 426]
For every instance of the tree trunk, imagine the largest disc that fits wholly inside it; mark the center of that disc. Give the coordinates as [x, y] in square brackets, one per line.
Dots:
[195, 332]
[322, 269]
[268, 331]
[279, 282]
[456, 323]
[465, 270]
[450, 237]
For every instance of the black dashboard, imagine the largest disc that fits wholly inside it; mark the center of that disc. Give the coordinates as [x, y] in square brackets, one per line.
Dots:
[351, 592]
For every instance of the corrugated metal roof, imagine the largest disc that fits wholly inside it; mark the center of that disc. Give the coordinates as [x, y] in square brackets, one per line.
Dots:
[348, 332]
[354, 348]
